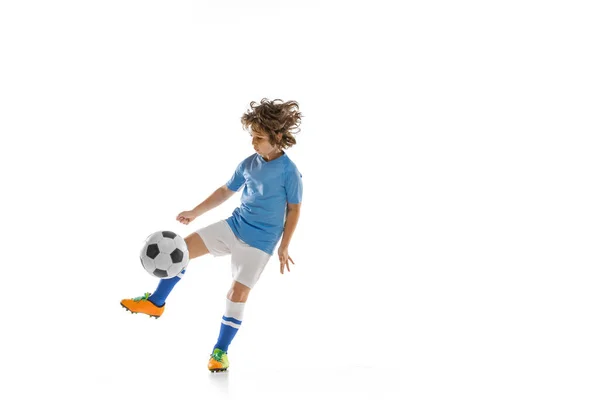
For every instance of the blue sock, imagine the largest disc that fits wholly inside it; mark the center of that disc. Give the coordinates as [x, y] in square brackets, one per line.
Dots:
[165, 286]
[230, 324]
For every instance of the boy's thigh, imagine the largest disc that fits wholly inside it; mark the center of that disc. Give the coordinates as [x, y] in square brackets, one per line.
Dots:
[248, 264]
[196, 246]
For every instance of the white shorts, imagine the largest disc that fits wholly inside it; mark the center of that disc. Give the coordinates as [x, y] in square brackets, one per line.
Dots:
[247, 262]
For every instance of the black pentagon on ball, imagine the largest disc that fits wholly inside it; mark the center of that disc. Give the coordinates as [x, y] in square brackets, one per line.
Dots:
[169, 234]
[160, 273]
[152, 250]
[176, 256]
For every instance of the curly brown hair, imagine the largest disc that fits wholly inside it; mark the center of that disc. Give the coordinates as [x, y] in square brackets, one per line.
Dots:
[274, 118]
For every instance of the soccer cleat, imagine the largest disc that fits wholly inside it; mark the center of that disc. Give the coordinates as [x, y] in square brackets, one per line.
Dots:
[218, 361]
[142, 305]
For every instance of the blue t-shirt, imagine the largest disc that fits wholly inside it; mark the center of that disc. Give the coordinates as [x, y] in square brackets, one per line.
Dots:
[268, 187]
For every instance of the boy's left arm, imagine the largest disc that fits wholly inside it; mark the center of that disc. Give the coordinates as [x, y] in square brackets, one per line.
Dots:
[291, 220]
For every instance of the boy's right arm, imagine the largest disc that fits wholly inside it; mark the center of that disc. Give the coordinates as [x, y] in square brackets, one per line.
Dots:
[217, 198]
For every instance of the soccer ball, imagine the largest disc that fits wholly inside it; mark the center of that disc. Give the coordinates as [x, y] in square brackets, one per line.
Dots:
[164, 254]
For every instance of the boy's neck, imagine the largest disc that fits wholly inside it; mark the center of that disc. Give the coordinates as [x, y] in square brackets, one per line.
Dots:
[273, 155]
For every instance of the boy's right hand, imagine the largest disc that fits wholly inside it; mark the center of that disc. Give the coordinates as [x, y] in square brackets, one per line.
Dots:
[186, 217]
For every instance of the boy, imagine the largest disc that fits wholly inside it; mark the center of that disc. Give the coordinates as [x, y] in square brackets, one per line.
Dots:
[270, 208]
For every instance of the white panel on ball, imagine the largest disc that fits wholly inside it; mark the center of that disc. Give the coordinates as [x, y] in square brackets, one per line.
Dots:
[163, 261]
[166, 245]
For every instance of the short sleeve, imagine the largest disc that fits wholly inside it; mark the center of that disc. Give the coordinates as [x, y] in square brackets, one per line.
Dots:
[237, 180]
[293, 186]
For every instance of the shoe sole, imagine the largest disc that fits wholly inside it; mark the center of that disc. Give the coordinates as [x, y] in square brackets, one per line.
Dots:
[218, 370]
[135, 312]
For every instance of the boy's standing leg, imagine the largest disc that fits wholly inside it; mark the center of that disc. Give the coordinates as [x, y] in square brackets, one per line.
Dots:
[247, 265]
[230, 324]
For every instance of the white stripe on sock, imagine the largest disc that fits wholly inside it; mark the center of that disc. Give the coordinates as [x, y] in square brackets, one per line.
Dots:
[232, 324]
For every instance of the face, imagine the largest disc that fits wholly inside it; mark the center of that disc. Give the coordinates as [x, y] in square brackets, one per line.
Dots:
[260, 142]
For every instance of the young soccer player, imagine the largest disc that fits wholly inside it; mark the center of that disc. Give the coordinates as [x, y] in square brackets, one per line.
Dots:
[269, 211]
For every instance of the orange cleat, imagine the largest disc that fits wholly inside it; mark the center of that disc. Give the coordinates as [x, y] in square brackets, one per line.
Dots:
[142, 305]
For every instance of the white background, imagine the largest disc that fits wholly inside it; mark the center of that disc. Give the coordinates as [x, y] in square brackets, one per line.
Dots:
[448, 242]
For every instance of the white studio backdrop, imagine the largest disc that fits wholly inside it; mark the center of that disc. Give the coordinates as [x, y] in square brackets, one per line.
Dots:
[448, 242]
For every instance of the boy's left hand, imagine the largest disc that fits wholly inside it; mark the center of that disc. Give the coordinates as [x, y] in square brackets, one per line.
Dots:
[284, 258]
